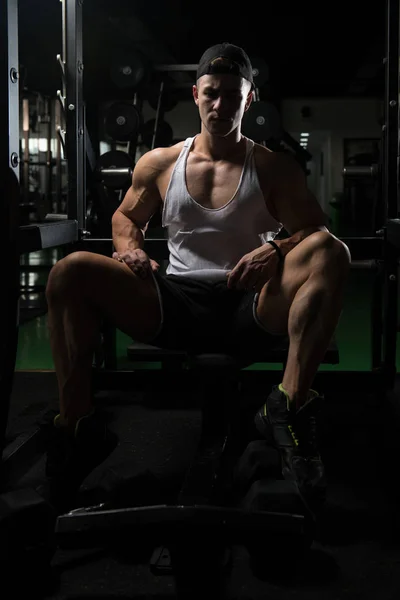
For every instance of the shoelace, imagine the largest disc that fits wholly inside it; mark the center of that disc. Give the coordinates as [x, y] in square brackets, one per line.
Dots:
[294, 436]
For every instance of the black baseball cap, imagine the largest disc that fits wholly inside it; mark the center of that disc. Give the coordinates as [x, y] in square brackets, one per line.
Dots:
[237, 63]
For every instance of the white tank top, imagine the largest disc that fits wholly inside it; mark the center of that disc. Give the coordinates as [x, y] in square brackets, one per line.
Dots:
[206, 243]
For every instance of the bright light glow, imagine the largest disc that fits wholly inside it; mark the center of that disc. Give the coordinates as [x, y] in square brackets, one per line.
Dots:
[305, 134]
[42, 145]
[104, 147]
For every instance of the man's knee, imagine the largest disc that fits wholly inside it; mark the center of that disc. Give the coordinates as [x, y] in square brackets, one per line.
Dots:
[66, 275]
[334, 249]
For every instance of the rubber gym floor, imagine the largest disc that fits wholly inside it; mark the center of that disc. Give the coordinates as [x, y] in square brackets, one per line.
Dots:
[357, 554]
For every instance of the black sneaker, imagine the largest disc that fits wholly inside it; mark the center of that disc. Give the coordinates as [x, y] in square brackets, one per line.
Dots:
[71, 457]
[306, 423]
[275, 421]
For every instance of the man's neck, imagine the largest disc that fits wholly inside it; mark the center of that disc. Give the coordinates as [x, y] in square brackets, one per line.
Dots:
[219, 148]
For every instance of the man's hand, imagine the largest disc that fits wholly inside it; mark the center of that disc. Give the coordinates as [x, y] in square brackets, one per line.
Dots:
[254, 269]
[138, 261]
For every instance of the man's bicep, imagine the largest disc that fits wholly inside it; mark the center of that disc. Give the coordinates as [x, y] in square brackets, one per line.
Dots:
[295, 205]
[143, 198]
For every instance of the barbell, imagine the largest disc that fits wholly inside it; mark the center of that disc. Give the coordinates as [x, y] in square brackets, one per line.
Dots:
[114, 169]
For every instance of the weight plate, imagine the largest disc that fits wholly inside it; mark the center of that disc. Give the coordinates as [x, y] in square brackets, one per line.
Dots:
[122, 121]
[260, 71]
[127, 71]
[164, 134]
[262, 122]
[115, 159]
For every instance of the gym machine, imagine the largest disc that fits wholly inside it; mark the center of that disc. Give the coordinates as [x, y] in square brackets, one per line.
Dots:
[201, 506]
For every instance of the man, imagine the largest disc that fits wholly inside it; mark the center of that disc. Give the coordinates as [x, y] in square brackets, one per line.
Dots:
[229, 286]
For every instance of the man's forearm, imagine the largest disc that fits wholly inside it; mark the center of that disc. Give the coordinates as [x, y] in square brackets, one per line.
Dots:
[126, 235]
[287, 244]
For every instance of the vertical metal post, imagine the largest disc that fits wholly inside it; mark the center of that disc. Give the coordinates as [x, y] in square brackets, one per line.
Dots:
[58, 124]
[159, 115]
[390, 182]
[25, 129]
[75, 127]
[49, 156]
[9, 203]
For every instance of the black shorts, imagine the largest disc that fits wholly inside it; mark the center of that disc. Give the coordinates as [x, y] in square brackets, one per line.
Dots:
[202, 317]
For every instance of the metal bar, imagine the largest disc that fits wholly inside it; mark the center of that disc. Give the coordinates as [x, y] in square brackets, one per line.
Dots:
[39, 163]
[110, 172]
[391, 108]
[75, 148]
[171, 68]
[390, 312]
[25, 161]
[363, 172]
[158, 115]
[98, 525]
[49, 158]
[376, 322]
[390, 182]
[9, 199]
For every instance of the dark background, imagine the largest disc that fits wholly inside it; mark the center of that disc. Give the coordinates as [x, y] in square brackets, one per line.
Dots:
[324, 49]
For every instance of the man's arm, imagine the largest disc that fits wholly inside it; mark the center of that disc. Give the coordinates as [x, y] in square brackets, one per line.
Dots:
[141, 201]
[294, 205]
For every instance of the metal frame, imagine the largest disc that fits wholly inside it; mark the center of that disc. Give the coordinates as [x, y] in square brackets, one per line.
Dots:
[390, 182]
[384, 309]
[15, 240]
[9, 198]
[74, 110]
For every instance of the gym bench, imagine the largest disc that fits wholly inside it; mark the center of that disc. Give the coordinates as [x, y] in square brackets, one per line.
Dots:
[203, 523]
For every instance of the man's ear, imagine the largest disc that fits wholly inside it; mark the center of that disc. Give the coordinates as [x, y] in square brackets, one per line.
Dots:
[195, 91]
[249, 99]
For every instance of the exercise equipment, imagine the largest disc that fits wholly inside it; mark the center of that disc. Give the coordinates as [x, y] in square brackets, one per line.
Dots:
[114, 169]
[276, 495]
[193, 516]
[180, 531]
[258, 461]
[261, 122]
[128, 70]
[122, 121]
[260, 71]
[163, 134]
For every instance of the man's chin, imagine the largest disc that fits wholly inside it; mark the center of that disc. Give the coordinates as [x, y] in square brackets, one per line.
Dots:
[221, 129]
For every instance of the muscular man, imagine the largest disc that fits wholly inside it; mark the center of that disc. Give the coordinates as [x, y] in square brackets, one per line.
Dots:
[229, 286]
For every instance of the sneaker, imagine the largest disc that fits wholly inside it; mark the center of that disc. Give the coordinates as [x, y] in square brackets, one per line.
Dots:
[71, 457]
[275, 421]
[306, 422]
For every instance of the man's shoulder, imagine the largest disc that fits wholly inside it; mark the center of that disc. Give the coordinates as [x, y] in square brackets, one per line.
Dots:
[283, 163]
[161, 159]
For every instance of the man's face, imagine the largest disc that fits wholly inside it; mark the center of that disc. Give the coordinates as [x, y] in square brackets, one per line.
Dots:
[222, 100]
